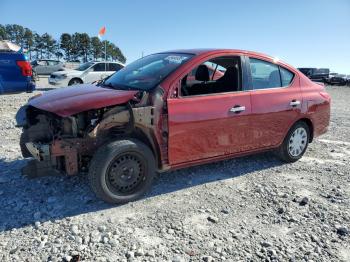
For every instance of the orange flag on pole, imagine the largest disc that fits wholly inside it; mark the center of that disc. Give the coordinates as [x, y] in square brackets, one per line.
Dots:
[101, 32]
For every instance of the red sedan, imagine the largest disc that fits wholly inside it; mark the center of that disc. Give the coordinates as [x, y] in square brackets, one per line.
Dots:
[172, 110]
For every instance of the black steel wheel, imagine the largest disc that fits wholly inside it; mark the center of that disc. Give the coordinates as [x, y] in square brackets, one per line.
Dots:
[126, 173]
[122, 171]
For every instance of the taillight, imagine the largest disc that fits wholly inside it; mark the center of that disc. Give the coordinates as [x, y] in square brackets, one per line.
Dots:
[25, 67]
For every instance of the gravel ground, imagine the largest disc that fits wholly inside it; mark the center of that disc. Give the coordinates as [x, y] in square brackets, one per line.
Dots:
[247, 209]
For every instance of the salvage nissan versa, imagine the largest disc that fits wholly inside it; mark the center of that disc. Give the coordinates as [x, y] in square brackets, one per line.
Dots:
[153, 115]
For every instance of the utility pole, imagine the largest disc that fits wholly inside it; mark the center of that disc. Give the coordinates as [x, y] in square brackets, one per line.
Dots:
[105, 55]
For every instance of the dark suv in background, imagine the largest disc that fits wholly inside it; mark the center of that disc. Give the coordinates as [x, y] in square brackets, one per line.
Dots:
[337, 79]
[316, 74]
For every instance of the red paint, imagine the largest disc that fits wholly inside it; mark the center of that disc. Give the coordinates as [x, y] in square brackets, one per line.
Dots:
[72, 100]
[203, 127]
[201, 130]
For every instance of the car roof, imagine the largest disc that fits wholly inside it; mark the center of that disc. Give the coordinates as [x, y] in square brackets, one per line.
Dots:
[113, 62]
[200, 51]
[213, 51]
[47, 60]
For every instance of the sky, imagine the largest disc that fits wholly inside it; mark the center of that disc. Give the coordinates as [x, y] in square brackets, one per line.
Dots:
[303, 33]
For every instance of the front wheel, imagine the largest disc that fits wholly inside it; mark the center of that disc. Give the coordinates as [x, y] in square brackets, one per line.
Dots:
[295, 143]
[122, 171]
[75, 81]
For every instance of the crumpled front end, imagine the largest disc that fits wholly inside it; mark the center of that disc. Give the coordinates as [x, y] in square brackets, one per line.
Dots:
[66, 144]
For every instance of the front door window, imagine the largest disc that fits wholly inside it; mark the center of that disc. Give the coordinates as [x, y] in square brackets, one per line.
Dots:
[217, 75]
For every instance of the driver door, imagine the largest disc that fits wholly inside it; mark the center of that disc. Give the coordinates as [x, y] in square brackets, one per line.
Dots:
[206, 126]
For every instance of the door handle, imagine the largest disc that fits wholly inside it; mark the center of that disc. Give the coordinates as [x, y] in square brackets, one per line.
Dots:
[237, 109]
[294, 103]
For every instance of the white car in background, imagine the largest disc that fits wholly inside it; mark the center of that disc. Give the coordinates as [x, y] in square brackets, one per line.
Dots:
[86, 73]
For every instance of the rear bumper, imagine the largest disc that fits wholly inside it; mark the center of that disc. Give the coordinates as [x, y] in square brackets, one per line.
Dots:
[23, 85]
[320, 132]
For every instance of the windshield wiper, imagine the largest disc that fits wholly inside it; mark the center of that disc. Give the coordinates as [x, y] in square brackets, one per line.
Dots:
[118, 87]
[107, 85]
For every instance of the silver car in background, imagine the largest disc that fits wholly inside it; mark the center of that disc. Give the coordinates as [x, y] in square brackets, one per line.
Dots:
[46, 66]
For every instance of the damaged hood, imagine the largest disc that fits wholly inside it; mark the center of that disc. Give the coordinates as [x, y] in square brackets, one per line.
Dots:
[72, 100]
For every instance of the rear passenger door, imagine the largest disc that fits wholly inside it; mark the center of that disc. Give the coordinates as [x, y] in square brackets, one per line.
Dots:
[276, 102]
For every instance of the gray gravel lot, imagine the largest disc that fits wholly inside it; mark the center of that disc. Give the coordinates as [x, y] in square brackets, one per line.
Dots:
[247, 209]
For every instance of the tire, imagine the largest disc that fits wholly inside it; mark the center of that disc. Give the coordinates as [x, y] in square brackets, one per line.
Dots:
[75, 81]
[35, 76]
[122, 171]
[291, 152]
[22, 143]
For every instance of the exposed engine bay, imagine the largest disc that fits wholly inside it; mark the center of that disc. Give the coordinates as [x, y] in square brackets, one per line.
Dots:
[65, 145]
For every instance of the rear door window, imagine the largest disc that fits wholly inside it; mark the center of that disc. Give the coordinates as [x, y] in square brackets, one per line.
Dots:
[114, 67]
[286, 76]
[100, 67]
[264, 74]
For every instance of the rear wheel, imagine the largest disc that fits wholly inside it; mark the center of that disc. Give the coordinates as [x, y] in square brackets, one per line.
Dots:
[122, 171]
[295, 143]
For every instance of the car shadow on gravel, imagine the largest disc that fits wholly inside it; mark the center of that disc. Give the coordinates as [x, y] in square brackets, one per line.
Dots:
[24, 201]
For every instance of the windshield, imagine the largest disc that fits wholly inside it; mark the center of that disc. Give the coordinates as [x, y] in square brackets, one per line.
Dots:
[146, 73]
[84, 66]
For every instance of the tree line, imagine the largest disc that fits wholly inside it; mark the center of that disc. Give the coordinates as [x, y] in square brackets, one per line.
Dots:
[71, 47]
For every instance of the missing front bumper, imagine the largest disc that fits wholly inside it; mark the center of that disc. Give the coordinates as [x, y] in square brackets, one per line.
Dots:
[38, 151]
[51, 159]
[37, 168]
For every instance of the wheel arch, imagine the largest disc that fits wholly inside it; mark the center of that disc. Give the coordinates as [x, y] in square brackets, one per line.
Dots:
[309, 124]
[76, 78]
[146, 137]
